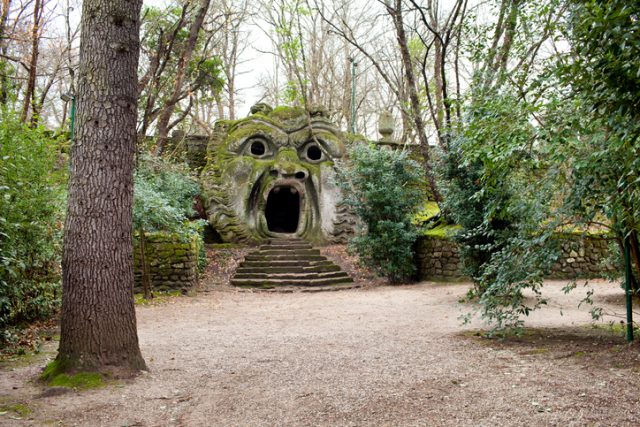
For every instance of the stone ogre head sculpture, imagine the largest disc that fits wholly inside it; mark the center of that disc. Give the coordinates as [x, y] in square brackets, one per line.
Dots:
[272, 175]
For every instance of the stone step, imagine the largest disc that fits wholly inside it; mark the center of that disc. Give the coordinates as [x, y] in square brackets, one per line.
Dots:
[288, 263]
[302, 277]
[271, 283]
[285, 263]
[290, 257]
[293, 246]
[288, 252]
[287, 242]
[288, 269]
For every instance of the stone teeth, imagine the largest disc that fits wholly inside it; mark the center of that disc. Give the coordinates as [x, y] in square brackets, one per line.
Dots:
[293, 190]
[276, 190]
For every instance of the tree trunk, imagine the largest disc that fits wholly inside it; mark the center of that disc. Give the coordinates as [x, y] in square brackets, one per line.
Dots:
[177, 94]
[98, 324]
[33, 63]
[4, 83]
[425, 151]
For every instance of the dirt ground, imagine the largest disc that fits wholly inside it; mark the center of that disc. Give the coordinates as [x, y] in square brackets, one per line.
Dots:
[372, 356]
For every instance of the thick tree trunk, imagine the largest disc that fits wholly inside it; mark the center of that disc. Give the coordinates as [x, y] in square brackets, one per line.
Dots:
[98, 325]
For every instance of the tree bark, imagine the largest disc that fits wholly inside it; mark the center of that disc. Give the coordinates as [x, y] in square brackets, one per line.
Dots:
[4, 79]
[98, 324]
[425, 151]
[33, 63]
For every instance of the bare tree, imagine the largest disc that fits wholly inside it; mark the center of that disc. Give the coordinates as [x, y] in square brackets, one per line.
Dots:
[36, 28]
[178, 93]
[229, 46]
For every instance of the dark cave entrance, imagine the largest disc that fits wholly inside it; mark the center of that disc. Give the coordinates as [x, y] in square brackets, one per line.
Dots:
[283, 210]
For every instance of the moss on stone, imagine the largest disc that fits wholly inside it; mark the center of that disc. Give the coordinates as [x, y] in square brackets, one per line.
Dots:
[284, 112]
[430, 210]
[445, 232]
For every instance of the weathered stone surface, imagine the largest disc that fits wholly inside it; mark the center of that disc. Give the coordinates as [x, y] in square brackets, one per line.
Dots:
[172, 262]
[271, 174]
[581, 257]
[291, 262]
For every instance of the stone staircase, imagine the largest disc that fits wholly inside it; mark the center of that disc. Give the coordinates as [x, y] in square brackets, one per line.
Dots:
[288, 263]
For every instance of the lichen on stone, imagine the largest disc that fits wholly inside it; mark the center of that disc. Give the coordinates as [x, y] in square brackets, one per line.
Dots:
[252, 160]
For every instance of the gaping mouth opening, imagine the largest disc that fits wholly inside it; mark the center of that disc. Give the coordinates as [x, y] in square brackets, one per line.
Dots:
[282, 211]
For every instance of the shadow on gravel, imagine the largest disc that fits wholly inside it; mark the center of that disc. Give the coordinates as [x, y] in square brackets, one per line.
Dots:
[595, 347]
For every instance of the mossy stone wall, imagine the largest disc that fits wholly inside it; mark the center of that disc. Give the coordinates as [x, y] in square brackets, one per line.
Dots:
[196, 151]
[173, 262]
[581, 257]
[437, 259]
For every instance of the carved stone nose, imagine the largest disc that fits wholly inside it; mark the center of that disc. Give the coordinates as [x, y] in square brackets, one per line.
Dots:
[297, 173]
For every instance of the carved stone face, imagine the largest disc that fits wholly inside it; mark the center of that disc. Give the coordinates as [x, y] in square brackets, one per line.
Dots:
[271, 175]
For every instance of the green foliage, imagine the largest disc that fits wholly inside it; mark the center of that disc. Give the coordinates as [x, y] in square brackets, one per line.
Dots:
[32, 196]
[551, 143]
[493, 188]
[603, 110]
[163, 197]
[383, 188]
[204, 74]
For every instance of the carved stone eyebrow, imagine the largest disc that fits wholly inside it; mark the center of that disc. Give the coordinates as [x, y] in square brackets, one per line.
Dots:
[242, 132]
[329, 142]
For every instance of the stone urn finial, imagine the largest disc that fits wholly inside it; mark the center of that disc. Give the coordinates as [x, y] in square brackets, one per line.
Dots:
[386, 126]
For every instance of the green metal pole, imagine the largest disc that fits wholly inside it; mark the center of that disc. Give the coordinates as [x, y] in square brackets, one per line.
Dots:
[627, 287]
[353, 95]
[73, 117]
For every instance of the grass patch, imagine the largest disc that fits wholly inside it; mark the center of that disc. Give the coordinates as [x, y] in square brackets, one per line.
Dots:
[20, 409]
[81, 380]
[617, 328]
[158, 297]
[540, 350]
[54, 376]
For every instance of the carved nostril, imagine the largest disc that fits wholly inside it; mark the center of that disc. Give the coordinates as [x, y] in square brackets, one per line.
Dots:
[273, 172]
[300, 175]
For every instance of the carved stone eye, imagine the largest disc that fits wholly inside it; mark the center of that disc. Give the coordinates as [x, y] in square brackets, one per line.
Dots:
[258, 148]
[314, 153]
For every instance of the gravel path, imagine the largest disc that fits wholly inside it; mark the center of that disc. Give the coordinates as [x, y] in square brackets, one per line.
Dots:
[378, 356]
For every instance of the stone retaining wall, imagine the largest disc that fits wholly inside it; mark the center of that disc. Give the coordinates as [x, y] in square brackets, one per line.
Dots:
[173, 263]
[581, 257]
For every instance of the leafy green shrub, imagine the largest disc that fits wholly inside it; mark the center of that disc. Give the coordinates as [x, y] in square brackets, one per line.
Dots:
[163, 201]
[32, 196]
[493, 187]
[383, 188]
[163, 198]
